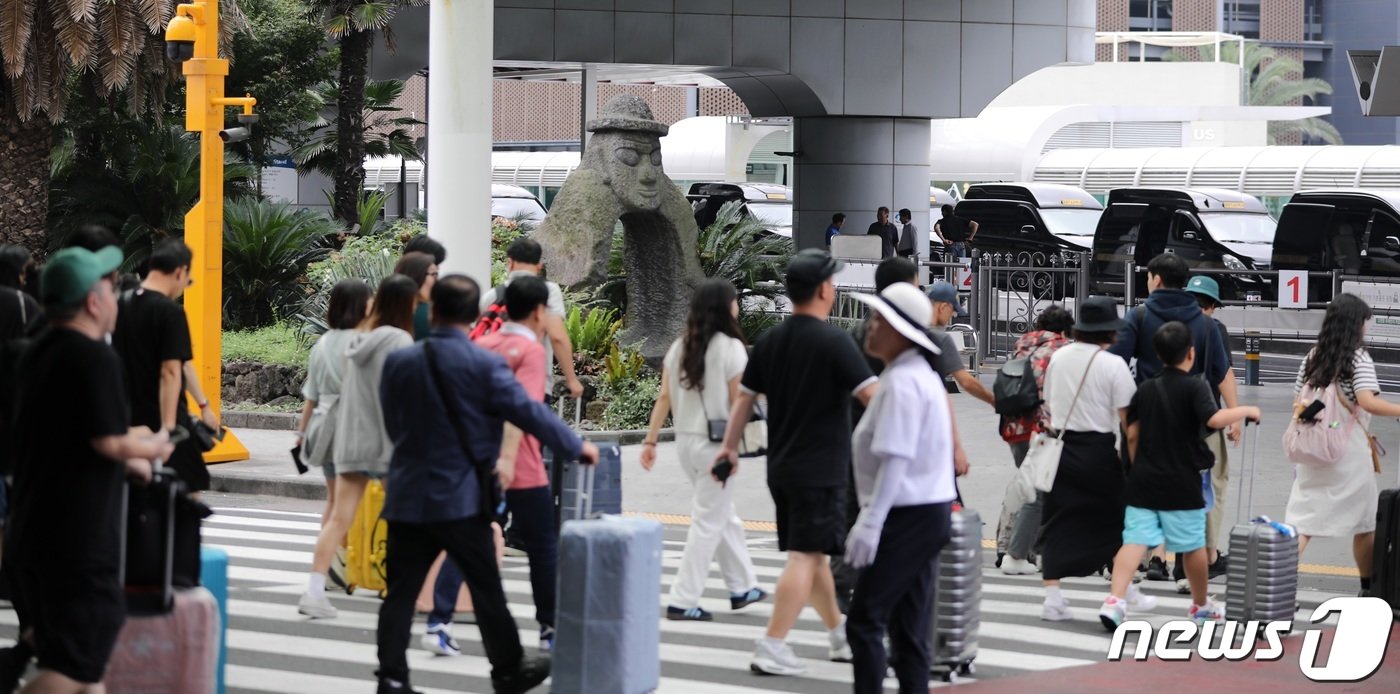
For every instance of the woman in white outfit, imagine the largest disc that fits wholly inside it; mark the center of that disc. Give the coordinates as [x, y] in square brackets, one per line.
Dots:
[699, 380]
[1340, 500]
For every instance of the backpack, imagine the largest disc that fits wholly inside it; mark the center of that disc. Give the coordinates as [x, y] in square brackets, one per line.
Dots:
[1015, 390]
[1323, 441]
[493, 317]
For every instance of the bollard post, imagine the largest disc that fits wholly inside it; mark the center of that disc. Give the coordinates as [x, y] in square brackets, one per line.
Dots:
[1251, 358]
[1129, 284]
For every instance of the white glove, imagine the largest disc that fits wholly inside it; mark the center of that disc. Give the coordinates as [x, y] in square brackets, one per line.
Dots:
[863, 542]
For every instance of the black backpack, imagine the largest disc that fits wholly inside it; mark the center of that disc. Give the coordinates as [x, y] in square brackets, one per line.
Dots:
[1015, 390]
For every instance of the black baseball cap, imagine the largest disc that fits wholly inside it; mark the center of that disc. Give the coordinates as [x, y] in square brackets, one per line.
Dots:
[812, 266]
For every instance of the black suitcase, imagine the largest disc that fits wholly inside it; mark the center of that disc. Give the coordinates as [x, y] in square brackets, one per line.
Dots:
[1385, 566]
[160, 543]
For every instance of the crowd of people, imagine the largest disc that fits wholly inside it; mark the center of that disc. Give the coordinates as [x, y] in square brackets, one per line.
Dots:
[436, 389]
[953, 233]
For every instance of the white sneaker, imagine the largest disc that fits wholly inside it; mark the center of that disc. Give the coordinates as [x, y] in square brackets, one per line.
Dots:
[1183, 586]
[840, 651]
[775, 660]
[1018, 567]
[1139, 600]
[438, 640]
[316, 606]
[1056, 611]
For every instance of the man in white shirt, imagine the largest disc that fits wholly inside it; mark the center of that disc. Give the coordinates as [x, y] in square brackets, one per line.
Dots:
[524, 258]
[908, 236]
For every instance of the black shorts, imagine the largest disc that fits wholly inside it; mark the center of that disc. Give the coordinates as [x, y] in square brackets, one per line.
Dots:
[76, 616]
[810, 519]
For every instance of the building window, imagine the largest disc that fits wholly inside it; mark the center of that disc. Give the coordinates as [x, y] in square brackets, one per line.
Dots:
[1312, 20]
[1241, 17]
[1150, 15]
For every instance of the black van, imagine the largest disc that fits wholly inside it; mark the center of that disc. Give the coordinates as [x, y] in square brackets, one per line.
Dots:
[1210, 228]
[769, 202]
[1036, 217]
[1355, 231]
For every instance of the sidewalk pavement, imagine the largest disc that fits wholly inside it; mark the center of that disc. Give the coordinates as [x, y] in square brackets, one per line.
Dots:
[666, 490]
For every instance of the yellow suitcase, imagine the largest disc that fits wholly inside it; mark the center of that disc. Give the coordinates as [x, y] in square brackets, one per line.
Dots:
[368, 542]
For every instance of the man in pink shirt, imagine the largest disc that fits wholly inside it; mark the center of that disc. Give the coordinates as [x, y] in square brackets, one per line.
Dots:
[520, 464]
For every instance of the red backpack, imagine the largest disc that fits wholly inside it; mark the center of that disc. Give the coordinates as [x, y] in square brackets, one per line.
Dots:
[493, 317]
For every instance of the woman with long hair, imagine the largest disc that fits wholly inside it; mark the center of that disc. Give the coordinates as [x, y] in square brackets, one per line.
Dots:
[1086, 392]
[422, 268]
[361, 448]
[699, 379]
[1340, 500]
[350, 301]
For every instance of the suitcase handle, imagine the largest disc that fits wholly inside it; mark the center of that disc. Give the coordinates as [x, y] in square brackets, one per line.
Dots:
[583, 507]
[1244, 508]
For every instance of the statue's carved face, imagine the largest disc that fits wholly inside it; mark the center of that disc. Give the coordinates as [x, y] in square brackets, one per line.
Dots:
[634, 168]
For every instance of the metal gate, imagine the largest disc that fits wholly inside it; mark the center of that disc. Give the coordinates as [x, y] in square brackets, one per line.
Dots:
[1009, 290]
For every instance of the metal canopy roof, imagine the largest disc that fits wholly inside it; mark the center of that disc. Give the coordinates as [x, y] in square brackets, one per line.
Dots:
[1274, 170]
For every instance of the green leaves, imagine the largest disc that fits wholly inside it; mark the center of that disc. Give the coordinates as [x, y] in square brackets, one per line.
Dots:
[384, 134]
[267, 247]
[739, 248]
[592, 335]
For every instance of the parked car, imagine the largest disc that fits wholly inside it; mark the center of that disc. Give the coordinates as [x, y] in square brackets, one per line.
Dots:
[1036, 217]
[1355, 231]
[769, 202]
[514, 202]
[1208, 227]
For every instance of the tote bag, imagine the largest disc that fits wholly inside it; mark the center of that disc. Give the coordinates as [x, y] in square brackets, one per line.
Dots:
[1042, 461]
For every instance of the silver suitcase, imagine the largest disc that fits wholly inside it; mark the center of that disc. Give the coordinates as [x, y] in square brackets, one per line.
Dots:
[957, 602]
[1262, 581]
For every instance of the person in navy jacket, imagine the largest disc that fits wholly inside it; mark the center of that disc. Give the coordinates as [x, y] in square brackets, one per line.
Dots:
[433, 492]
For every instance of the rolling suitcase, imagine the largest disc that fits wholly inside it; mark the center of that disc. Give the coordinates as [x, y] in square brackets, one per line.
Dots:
[160, 541]
[608, 618]
[605, 482]
[213, 572]
[172, 653]
[1262, 581]
[367, 544]
[1385, 567]
[958, 597]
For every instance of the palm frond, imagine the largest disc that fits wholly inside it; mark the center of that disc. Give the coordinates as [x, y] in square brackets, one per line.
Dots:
[80, 10]
[16, 24]
[76, 35]
[155, 13]
[372, 16]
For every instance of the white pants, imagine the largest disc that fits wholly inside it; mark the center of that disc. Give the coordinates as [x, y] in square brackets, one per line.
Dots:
[715, 529]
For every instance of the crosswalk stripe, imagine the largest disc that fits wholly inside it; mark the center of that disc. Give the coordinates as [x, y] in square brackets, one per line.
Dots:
[273, 649]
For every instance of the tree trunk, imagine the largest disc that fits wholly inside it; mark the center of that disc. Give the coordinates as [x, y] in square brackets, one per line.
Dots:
[350, 124]
[24, 180]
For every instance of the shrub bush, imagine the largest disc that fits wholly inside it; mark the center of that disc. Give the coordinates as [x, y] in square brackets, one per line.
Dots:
[593, 334]
[278, 343]
[622, 366]
[630, 403]
[267, 248]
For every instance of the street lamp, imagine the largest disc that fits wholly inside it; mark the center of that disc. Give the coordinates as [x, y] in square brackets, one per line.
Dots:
[192, 39]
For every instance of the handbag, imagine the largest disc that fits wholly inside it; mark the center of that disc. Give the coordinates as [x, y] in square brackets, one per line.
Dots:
[1043, 458]
[755, 440]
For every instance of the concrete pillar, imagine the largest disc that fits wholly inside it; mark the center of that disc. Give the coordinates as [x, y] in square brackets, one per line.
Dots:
[459, 147]
[855, 165]
[588, 103]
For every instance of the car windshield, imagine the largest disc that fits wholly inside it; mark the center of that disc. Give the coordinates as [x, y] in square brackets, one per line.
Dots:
[1064, 221]
[1235, 227]
[772, 214]
[517, 208]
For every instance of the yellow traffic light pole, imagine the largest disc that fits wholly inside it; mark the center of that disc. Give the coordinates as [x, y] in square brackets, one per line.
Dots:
[192, 38]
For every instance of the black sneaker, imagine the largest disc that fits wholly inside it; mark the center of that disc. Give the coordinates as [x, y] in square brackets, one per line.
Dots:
[528, 675]
[390, 686]
[749, 597]
[694, 614]
[1157, 570]
[1179, 568]
[1220, 567]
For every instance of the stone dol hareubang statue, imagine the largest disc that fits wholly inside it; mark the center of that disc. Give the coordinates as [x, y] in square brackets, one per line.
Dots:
[620, 178]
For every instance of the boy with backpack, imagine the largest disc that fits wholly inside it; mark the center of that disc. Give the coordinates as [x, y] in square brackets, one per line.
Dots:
[1166, 420]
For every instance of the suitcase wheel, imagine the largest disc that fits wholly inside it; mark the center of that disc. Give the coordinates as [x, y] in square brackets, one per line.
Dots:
[950, 676]
[967, 669]
[349, 588]
[383, 593]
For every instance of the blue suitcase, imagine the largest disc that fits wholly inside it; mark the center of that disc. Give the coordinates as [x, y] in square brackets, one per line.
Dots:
[608, 619]
[213, 573]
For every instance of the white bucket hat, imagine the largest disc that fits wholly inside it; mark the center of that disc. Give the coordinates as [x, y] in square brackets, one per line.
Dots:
[907, 310]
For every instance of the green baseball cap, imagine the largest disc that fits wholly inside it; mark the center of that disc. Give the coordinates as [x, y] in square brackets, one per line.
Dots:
[72, 272]
[1205, 286]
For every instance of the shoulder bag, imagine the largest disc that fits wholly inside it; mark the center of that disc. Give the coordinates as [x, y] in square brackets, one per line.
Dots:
[1042, 461]
[492, 500]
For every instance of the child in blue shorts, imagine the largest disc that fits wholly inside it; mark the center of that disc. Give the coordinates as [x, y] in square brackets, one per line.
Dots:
[1168, 419]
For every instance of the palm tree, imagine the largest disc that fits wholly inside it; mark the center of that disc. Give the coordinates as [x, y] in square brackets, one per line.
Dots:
[52, 49]
[353, 24]
[382, 133]
[1274, 80]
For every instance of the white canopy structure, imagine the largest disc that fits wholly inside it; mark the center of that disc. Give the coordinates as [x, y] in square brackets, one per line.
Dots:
[1266, 171]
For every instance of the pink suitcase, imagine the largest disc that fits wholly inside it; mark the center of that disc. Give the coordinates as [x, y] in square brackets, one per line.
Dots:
[172, 653]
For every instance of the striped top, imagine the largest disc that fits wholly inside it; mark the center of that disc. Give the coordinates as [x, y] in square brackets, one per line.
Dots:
[1363, 376]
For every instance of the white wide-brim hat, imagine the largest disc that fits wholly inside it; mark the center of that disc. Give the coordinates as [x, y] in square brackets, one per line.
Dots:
[907, 310]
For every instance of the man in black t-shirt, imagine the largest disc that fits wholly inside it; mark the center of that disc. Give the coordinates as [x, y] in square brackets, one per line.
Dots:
[153, 341]
[808, 370]
[955, 232]
[888, 233]
[74, 447]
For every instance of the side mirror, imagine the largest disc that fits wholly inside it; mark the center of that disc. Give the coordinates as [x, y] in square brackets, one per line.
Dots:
[1027, 229]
